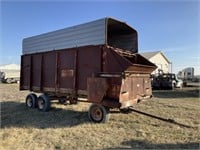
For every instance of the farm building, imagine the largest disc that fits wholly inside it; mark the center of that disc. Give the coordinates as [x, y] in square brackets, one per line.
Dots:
[160, 60]
[10, 67]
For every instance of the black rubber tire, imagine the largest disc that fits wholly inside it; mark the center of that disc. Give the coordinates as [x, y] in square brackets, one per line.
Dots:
[43, 103]
[173, 86]
[9, 81]
[98, 113]
[31, 100]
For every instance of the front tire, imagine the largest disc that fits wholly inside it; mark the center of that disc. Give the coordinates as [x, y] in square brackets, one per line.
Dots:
[31, 101]
[44, 103]
[98, 113]
[9, 81]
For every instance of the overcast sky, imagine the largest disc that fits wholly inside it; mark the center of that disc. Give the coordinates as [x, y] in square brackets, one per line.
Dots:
[169, 26]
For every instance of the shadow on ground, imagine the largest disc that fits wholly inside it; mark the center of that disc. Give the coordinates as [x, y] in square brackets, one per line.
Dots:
[140, 144]
[15, 114]
[178, 93]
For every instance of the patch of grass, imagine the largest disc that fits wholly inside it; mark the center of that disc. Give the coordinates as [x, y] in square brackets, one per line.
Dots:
[68, 126]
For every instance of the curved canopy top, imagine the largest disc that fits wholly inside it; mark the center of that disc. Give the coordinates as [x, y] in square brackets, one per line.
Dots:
[105, 31]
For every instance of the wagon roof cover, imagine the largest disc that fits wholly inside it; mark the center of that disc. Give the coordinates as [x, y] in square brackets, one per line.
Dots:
[106, 31]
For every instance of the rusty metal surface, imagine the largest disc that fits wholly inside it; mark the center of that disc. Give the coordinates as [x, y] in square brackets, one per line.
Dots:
[66, 69]
[106, 75]
[89, 63]
[96, 88]
[25, 72]
[36, 61]
[134, 88]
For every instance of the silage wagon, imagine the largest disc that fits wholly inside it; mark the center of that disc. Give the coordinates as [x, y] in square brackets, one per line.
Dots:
[95, 62]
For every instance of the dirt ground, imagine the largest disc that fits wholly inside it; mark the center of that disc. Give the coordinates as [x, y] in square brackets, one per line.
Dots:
[68, 126]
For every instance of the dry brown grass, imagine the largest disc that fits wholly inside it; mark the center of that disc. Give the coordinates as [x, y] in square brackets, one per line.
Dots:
[68, 127]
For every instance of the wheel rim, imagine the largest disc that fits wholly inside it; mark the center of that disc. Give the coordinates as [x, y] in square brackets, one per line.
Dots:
[97, 114]
[40, 104]
[29, 102]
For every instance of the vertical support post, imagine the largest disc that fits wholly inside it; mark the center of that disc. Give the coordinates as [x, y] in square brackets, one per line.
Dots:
[102, 60]
[74, 98]
[41, 72]
[56, 73]
[21, 74]
[75, 73]
[30, 74]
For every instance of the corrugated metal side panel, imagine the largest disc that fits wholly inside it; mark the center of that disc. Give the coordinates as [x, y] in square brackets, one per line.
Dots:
[49, 70]
[36, 70]
[88, 63]
[92, 33]
[25, 72]
[66, 62]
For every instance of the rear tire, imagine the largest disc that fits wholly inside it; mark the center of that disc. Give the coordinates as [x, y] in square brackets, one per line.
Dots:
[44, 103]
[173, 86]
[31, 101]
[98, 113]
[8, 80]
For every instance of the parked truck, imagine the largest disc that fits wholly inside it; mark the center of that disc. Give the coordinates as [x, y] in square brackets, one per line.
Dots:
[166, 81]
[10, 76]
[2, 76]
[10, 73]
[95, 62]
